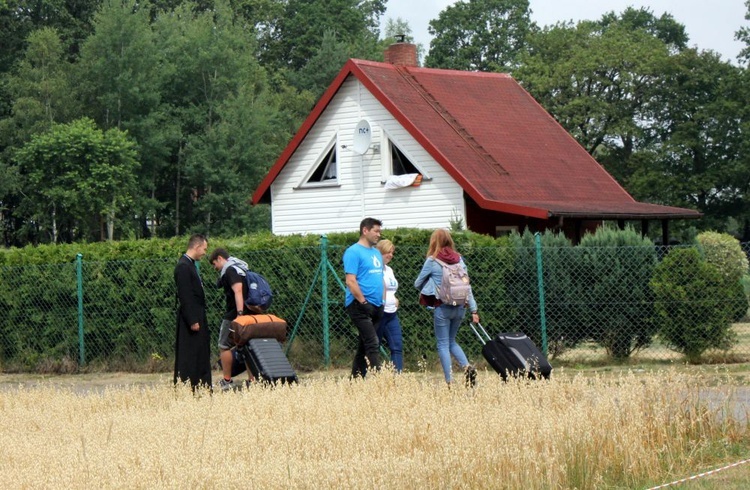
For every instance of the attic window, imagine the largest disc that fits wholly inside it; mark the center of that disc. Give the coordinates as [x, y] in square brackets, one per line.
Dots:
[400, 163]
[326, 169]
[398, 169]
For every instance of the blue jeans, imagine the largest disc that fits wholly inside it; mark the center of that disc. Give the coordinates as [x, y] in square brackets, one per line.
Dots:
[447, 320]
[390, 330]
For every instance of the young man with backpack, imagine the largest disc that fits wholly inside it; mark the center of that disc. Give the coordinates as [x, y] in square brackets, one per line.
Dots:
[232, 273]
[444, 286]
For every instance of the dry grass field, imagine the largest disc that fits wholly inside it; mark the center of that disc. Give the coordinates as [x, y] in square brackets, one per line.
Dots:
[585, 430]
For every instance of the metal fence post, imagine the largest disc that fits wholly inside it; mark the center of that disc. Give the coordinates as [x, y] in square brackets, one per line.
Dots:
[79, 281]
[324, 297]
[540, 283]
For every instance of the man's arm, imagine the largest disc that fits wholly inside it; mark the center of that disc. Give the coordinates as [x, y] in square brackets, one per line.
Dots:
[353, 285]
[239, 298]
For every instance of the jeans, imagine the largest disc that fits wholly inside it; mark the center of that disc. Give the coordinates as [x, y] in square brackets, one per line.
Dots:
[366, 318]
[447, 320]
[390, 330]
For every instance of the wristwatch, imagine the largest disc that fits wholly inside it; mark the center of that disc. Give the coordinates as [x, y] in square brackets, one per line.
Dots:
[240, 312]
[363, 302]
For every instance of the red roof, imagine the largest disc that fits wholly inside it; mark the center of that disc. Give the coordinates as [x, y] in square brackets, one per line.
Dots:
[494, 139]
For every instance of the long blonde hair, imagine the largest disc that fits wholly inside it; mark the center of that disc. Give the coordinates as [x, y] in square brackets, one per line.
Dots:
[440, 239]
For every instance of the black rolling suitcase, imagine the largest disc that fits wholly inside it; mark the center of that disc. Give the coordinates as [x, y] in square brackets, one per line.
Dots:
[513, 354]
[266, 360]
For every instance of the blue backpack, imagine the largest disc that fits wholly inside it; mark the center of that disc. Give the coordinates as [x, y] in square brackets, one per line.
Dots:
[259, 294]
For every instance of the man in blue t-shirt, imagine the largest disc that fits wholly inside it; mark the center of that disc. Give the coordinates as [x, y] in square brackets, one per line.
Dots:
[365, 290]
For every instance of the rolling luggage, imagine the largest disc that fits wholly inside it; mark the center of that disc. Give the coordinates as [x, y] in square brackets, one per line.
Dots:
[266, 360]
[513, 354]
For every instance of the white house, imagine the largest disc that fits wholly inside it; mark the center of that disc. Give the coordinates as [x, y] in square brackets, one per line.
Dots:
[420, 147]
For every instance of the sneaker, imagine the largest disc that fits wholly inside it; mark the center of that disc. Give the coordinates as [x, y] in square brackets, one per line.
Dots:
[227, 385]
[471, 376]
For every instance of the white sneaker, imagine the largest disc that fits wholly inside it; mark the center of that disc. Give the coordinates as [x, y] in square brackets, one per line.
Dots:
[227, 385]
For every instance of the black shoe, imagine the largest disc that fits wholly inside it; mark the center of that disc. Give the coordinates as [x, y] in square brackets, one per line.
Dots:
[471, 376]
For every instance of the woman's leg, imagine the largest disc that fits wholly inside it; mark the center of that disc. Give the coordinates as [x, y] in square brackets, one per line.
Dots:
[442, 336]
[455, 323]
[393, 337]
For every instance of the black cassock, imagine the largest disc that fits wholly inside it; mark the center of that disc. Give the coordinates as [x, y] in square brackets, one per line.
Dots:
[192, 349]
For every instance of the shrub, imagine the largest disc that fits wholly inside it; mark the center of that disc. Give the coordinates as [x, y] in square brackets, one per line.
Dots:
[691, 304]
[725, 253]
[522, 309]
[613, 270]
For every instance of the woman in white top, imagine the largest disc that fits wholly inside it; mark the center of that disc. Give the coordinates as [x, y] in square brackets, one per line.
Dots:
[390, 328]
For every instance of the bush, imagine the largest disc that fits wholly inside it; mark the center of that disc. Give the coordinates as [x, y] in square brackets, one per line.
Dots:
[613, 270]
[693, 311]
[521, 283]
[725, 253]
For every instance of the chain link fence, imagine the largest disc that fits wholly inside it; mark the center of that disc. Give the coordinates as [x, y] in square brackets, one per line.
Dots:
[590, 305]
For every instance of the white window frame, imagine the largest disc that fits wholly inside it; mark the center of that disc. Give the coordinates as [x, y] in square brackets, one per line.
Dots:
[334, 181]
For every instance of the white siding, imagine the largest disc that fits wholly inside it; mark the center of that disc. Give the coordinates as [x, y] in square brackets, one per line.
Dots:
[360, 192]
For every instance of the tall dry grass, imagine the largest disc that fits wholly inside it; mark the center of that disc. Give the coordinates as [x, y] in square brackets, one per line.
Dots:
[622, 431]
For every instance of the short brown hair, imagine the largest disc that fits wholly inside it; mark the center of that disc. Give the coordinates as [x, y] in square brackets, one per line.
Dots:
[195, 240]
[218, 252]
[368, 223]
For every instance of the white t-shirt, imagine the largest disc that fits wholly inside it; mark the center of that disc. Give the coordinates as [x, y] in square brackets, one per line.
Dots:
[391, 285]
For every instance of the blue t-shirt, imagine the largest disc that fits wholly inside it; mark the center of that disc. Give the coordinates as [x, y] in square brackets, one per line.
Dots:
[367, 266]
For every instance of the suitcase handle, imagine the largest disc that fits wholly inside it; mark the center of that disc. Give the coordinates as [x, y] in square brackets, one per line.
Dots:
[481, 339]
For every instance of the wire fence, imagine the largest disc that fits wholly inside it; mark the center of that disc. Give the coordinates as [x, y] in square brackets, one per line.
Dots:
[580, 304]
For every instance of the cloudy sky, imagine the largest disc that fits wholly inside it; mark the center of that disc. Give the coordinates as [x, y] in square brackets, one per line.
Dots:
[711, 24]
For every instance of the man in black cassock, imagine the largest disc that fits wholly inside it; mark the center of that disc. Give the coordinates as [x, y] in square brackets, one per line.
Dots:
[192, 360]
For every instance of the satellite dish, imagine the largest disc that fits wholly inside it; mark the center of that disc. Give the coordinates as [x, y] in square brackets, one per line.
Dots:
[362, 137]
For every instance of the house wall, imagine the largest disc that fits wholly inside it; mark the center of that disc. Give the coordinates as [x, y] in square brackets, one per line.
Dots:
[360, 191]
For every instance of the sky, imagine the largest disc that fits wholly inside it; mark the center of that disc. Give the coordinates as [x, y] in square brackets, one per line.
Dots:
[710, 24]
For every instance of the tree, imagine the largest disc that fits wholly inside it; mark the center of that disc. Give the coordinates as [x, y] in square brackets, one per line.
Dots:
[480, 35]
[698, 155]
[76, 172]
[667, 121]
[596, 79]
[41, 89]
[121, 76]
[41, 96]
[19, 18]
[743, 35]
[323, 67]
[299, 32]
[214, 78]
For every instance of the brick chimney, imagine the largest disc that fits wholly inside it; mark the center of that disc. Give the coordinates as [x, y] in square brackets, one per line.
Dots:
[401, 53]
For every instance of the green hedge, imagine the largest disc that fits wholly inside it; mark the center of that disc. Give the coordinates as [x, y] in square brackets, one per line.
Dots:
[596, 292]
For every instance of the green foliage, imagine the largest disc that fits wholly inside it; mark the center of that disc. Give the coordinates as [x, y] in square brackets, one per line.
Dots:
[692, 304]
[724, 252]
[82, 172]
[743, 35]
[521, 308]
[299, 31]
[612, 279]
[480, 35]
[323, 66]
